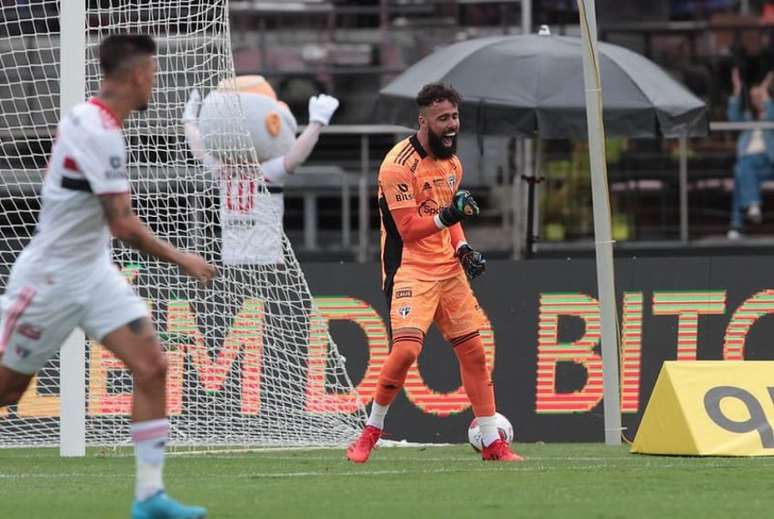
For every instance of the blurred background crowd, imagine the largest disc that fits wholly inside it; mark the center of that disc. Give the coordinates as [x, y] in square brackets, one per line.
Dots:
[350, 49]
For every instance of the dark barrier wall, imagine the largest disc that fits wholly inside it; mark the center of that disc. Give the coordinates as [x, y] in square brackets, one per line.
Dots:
[545, 320]
[543, 338]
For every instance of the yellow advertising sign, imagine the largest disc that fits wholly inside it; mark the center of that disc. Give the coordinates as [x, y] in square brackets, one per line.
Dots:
[710, 408]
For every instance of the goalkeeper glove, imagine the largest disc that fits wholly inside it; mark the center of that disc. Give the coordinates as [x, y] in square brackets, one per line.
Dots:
[463, 206]
[473, 263]
[321, 108]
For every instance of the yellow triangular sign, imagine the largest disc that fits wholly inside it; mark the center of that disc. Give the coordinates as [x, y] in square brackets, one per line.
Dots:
[706, 408]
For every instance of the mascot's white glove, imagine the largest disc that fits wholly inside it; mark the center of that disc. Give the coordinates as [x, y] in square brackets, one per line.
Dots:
[192, 106]
[321, 108]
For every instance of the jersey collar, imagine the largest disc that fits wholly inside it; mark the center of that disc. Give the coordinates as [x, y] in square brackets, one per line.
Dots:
[414, 140]
[105, 108]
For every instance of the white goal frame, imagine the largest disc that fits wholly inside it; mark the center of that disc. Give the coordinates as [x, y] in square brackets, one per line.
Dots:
[252, 363]
[72, 82]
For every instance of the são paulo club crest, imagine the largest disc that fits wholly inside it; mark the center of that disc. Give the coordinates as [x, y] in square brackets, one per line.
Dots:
[452, 180]
[404, 311]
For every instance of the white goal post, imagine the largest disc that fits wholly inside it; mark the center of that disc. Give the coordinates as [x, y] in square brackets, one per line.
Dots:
[251, 362]
[72, 377]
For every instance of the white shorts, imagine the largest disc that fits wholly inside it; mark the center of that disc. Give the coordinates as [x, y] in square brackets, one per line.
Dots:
[41, 309]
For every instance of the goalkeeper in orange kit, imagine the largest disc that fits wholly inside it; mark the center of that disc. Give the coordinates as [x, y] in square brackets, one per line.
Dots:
[425, 260]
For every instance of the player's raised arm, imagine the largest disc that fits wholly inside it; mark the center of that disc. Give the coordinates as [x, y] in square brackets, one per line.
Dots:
[321, 109]
[193, 136]
[397, 199]
[127, 227]
[398, 195]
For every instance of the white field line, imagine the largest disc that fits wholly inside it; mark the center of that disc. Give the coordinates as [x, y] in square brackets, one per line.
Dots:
[215, 453]
[420, 459]
[390, 444]
[312, 473]
[66, 475]
[502, 468]
[270, 475]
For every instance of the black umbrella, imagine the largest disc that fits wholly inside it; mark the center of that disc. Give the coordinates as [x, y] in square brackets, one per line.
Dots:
[534, 84]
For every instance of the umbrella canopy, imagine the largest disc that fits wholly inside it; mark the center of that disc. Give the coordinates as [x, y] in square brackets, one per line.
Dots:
[534, 84]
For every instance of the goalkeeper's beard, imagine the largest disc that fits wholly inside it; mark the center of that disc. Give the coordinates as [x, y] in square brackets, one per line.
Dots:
[437, 147]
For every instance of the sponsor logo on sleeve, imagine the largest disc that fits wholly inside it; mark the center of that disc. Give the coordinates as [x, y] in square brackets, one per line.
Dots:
[117, 168]
[115, 174]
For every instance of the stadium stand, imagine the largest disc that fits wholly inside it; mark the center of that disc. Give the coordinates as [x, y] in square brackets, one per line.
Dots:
[350, 49]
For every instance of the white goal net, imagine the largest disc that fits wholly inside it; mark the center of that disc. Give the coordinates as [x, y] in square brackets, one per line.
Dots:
[250, 359]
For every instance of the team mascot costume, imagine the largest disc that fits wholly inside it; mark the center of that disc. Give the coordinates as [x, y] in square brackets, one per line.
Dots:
[239, 122]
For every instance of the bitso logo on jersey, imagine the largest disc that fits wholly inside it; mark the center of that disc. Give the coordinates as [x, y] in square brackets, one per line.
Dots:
[404, 195]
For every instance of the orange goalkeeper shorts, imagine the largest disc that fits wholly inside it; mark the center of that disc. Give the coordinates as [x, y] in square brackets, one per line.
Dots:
[449, 303]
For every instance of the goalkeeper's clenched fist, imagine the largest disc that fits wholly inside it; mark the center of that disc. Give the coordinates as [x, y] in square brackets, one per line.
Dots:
[473, 263]
[463, 206]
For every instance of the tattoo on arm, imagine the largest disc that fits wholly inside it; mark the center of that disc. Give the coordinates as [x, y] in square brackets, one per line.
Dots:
[115, 207]
[127, 227]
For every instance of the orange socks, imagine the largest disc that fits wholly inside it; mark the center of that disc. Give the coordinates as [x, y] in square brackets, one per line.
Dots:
[470, 354]
[475, 375]
[405, 350]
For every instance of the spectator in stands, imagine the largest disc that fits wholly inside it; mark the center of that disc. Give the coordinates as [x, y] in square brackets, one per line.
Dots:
[767, 14]
[755, 151]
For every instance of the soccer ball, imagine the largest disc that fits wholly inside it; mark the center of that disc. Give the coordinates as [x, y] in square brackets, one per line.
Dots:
[504, 427]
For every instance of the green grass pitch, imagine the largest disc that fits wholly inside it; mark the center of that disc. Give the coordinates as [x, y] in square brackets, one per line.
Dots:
[557, 480]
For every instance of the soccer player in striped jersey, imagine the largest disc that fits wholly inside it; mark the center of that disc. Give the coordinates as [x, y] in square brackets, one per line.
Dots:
[425, 260]
[65, 278]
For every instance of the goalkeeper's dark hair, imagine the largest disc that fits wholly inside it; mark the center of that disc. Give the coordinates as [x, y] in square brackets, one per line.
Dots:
[119, 52]
[436, 93]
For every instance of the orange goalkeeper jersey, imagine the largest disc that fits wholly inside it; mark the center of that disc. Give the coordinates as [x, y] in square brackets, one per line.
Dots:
[409, 177]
